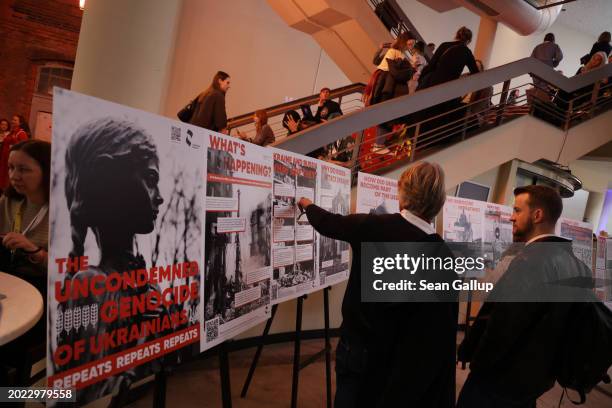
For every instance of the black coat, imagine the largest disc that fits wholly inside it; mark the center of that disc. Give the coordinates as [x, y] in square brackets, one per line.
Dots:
[411, 346]
[514, 346]
[210, 111]
[447, 64]
[600, 46]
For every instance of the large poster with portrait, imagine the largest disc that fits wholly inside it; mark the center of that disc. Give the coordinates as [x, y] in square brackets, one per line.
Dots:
[238, 241]
[293, 238]
[376, 194]
[581, 234]
[334, 195]
[126, 248]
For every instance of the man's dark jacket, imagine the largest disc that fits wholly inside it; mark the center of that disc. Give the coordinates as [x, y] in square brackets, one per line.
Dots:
[514, 346]
[411, 346]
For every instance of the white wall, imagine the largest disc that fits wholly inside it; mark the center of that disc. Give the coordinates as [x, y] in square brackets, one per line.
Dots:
[439, 27]
[267, 60]
[509, 46]
[125, 51]
[574, 207]
[596, 176]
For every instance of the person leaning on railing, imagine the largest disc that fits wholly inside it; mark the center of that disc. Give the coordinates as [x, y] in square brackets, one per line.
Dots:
[264, 135]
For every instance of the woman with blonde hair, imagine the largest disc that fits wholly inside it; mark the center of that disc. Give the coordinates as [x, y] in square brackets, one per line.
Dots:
[377, 340]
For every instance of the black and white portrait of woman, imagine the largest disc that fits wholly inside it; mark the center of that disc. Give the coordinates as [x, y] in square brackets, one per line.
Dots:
[126, 194]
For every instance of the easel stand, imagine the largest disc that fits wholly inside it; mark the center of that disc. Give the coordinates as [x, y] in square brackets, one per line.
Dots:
[226, 391]
[126, 396]
[159, 389]
[468, 313]
[260, 346]
[297, 364]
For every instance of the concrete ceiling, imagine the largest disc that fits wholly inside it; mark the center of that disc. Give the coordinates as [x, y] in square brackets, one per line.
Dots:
[588, 16]
[601, 153]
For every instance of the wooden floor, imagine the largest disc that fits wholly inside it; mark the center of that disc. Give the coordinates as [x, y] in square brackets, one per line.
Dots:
[197, 384]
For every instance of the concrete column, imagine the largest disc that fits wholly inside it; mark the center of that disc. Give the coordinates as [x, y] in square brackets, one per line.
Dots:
[592, 210]
[125, 51]
[505, 183]
[605, 219]
[484, 42]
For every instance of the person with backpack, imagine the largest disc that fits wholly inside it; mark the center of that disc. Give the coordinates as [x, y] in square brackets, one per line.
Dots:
[209, 111]
[515, 344]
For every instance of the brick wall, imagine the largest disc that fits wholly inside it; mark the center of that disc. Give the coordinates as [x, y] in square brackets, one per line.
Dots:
[33, 33]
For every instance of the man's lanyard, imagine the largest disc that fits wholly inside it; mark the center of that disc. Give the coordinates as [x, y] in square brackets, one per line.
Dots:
[35, 221]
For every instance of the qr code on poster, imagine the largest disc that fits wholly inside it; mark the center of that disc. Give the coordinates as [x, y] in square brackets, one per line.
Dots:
[212, 329]
[321, 278]
[274, 291]
[175, 134]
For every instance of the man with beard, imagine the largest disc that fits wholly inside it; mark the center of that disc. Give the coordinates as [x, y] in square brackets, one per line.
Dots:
[514, 344]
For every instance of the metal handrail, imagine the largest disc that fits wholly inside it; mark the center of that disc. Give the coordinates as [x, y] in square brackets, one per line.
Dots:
[247, 118]
[538, 5]
[321, 135]
[366, 158]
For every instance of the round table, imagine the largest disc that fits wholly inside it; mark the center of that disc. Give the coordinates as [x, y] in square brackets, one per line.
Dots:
[21, 305]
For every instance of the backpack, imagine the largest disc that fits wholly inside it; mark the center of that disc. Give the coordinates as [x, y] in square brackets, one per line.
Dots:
[586, 354]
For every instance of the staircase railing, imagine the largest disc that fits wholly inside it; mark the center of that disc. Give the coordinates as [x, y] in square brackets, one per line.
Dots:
[349, 98]
[432, 118]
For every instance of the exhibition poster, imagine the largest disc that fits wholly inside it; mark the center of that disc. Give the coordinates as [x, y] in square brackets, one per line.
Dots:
[497, 240]
[601, 281]
[334, 195]
[125, 256]
[581, 234]
[608, 275]
[237, 237]
[293, 238]
[497, 231]
[600, 257]
[463, 220]
[376, 195]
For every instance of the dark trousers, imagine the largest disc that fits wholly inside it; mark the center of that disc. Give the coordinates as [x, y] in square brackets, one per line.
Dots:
[477, 394]
[351, 360]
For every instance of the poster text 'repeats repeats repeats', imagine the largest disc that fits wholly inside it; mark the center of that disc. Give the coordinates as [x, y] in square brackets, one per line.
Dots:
[126, 247]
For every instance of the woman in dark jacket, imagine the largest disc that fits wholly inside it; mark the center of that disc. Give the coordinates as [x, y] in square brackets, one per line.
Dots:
[449, 61]
[447, 64]
[210, 107]
[602, 44]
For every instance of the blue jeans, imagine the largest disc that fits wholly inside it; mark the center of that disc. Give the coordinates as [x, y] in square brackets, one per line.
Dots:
[351, 359]
[477, 394]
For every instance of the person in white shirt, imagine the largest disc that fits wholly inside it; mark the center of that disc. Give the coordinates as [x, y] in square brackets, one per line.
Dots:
[382, 86]
[418, 62]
